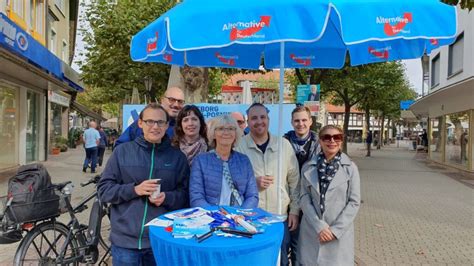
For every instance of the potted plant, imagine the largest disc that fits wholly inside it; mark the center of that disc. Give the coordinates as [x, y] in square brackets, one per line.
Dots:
[61, 143]
[75, 137]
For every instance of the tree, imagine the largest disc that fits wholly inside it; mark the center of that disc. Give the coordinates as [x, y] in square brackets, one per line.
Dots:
[108, 67]
[465, 4]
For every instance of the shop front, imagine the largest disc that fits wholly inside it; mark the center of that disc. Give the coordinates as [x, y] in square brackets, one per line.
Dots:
[28, 72]
[451, 117]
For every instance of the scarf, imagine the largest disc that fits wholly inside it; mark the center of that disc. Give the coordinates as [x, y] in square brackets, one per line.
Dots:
[326, 172]
[192, 149]
[301, 146]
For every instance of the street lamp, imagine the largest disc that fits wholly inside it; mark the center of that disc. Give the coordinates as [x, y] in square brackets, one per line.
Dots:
[148, 85]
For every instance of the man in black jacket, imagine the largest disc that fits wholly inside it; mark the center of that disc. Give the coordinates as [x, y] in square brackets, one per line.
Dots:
[305, 144]
[129, 180]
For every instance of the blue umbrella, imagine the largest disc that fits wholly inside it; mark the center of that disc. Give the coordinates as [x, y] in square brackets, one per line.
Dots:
[294, 34]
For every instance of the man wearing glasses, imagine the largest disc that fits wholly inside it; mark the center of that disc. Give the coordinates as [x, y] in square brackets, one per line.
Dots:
[240, 121]
[172, 102]
[129, 183]
[262, 149]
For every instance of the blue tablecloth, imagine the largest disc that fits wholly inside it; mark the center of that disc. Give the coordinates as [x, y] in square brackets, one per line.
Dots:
[260, 250]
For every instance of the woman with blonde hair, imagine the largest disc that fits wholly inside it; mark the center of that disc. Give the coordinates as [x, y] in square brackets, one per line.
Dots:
[223, 176]
[330, 200]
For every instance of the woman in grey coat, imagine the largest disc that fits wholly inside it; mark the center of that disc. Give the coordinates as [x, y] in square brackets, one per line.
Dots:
[329, 199]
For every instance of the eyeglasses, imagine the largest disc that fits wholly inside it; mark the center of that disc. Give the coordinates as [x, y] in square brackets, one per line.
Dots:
[225, 129]
[336, 137]
[240, 122]
[151, 122]
[174, 100]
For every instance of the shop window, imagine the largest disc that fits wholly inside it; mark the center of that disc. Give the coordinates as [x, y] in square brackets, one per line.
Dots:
[19, 8]
[455, 60]
[435, 139]
[40, 15]
[64, 51]
[32, 126]
[52, 41]
[457, 136]
[8, 126]
[435, 71]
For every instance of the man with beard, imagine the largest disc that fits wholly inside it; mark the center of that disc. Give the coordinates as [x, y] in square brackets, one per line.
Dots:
[262, 149]
[172, 102]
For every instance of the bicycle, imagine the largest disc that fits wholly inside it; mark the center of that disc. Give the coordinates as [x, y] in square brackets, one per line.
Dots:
[50, 242]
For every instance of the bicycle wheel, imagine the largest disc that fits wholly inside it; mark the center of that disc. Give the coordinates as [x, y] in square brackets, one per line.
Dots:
[104, 241]
[43, 245]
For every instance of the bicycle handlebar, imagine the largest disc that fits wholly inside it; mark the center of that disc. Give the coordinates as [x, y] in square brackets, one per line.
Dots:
[93, 180]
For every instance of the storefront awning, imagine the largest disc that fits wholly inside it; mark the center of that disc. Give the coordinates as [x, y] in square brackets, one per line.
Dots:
[455, 98]
[22, 45]
[86, 111]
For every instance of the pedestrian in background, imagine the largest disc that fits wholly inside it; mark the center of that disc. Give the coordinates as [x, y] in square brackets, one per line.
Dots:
[368, 141]
[102, 145]
[223, 176]
[190, 132]
[129, 180]
[330, 200]
[91, 139]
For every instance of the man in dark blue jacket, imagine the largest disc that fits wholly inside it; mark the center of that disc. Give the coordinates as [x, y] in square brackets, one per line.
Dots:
[172, 101]
[129, 180]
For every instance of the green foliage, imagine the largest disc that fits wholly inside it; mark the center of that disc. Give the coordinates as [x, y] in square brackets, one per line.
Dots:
[217, 78]
[108, 67]
[465, 4]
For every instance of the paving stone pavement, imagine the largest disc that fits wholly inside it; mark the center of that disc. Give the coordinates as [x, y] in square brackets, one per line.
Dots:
[63, 167]
[411, 214]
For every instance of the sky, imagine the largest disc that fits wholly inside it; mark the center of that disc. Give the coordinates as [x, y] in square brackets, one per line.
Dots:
[414, 73]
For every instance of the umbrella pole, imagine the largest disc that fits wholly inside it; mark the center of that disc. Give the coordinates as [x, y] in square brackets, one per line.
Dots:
[280, 126]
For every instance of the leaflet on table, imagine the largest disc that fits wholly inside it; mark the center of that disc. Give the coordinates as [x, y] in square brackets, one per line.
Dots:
[159, 222]
[188, 228]
[187, 213]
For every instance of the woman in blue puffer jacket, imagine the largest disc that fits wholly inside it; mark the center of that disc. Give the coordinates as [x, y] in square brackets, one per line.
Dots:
[223, 176]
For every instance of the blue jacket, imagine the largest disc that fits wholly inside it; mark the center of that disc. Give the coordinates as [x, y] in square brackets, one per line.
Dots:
[130, 165]
[133, 131]
[206, 179]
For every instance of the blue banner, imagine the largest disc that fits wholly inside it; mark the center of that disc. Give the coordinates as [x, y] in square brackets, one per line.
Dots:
[210, 110]
[405, 105]
[15, 39]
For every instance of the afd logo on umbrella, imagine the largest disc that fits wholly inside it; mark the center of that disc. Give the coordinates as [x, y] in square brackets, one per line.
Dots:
[302, 60]
[168, 57]
[380, 53]
[434, 42]
[400, 24]
[241, 30]
[226, 60]
[151, 43]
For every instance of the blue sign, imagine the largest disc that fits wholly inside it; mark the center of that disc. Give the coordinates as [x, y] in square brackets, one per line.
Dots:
[305, 93]
[405, 105]
[20, 42]
[209, 110]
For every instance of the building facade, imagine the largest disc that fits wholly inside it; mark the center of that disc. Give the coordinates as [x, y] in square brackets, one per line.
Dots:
[449, 104]
[36, 81]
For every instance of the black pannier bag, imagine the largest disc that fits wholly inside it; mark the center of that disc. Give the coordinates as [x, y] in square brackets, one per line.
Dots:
[31, 195]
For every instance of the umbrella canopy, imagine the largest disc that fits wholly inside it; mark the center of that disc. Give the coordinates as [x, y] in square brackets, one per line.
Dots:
[294, 34]
[317, 33]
